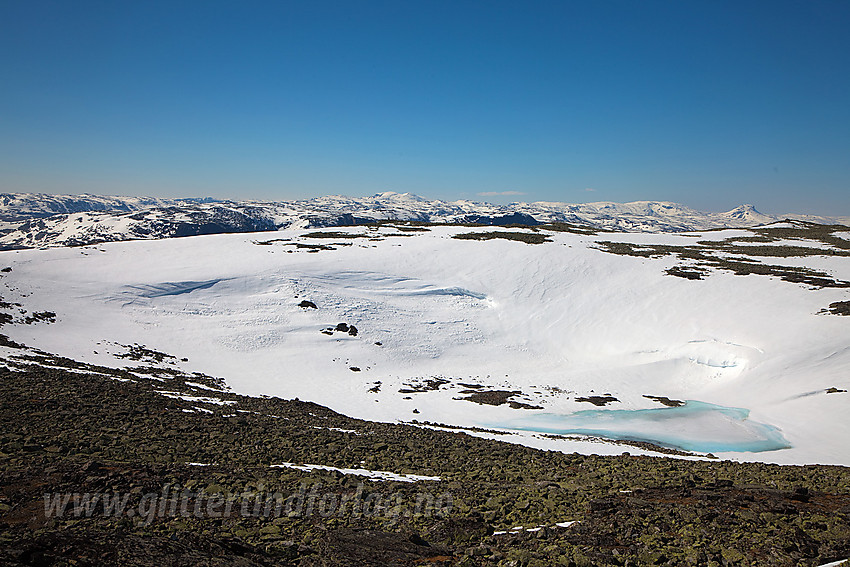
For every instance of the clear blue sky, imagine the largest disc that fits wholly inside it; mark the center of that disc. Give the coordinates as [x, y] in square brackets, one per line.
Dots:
[707, 103]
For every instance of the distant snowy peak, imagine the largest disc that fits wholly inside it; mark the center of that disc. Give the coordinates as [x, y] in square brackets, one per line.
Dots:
[30, 220]
[749, 214]
[399, 197]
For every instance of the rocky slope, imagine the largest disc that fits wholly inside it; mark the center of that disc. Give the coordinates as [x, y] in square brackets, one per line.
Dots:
[149, 439]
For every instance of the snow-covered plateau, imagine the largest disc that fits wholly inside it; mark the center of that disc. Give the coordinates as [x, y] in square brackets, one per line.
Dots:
[566, 344]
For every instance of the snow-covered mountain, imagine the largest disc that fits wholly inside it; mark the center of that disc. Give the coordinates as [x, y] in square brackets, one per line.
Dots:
[38, 220]
[16, 206]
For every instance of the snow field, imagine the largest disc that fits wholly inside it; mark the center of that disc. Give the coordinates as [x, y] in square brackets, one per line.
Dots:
[554, 321]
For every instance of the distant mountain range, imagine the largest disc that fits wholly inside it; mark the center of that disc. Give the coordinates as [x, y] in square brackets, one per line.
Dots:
[30, 220]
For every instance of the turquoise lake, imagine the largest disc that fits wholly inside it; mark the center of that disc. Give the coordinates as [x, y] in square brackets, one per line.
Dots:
[694, 426]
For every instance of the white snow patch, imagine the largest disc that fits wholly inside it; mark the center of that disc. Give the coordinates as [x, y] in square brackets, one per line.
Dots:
[370, 474]
[566, 524]
[518, 529]
[201, 386]
[202, 399]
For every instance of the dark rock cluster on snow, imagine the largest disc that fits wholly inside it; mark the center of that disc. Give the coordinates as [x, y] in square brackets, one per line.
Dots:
[341, 328]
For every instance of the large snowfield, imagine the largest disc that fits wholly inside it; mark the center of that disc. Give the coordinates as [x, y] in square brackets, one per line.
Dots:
[439, 319]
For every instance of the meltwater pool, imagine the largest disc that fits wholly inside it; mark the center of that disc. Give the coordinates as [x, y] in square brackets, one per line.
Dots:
[694, 426]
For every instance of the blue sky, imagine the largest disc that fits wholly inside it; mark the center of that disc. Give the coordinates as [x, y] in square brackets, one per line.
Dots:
[707, 103]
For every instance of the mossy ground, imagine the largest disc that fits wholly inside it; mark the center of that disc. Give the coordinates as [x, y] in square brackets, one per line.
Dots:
[73, 428]
[527, 237]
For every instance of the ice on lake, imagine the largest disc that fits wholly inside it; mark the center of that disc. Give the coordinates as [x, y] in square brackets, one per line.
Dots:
[694, 426]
